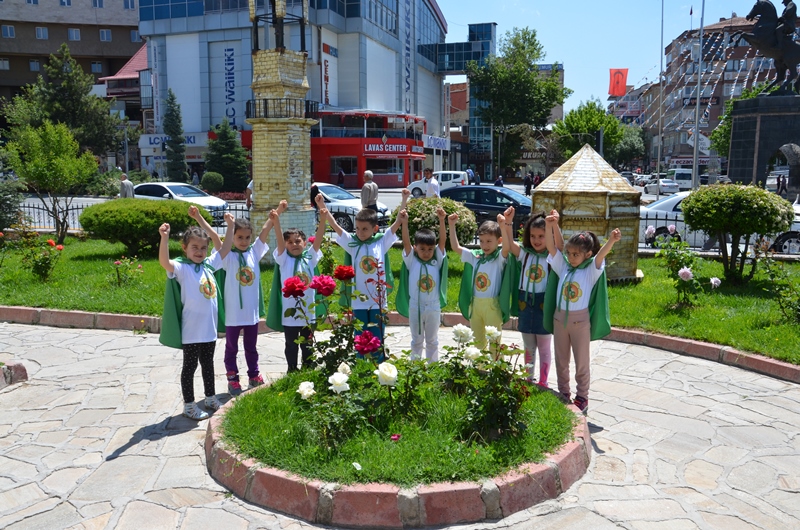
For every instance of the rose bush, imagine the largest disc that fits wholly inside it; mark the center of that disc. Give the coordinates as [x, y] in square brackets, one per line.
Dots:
[294, 286]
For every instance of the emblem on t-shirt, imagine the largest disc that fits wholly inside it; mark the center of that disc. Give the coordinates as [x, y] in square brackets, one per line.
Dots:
[535, 273]
[369, 265]
[303, 276]
[208, 288]
[482, 282]
[426, 284]
[572, 291]
[246, 276]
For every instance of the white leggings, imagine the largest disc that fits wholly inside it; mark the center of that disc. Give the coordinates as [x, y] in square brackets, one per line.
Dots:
[542, 343]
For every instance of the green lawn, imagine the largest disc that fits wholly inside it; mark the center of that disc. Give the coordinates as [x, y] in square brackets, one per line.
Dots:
[745, 318]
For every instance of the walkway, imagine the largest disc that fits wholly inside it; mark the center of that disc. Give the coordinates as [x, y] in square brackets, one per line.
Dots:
[95, 440]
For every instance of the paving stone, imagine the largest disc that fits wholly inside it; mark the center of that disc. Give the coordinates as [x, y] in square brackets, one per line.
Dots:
[640, 509]
[756, 510]
[62, 457]
[180, 497]
[88, 417]
[188, 443]
[693, 497]
[788, 501]
[605, 492]
[753, 477]
[122, 477]
[605, 446]
[206, 519]
[702, 475]
[89, 459]
[63, 480]
[641, 467]
[725, 454]
[138, 515]
[16, 469]
[20, 514]
[181, 472]
[609, 468]
[53, 437]
[95, 523]
[39, 426]
[666, 472]
[679, 447]
[60, 517]
[20, 496]
[675, 524]
[95, 509]
[29, 452]
[728, 522]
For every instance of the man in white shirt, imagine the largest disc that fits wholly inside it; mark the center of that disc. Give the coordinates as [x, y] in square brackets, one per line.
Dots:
[432, 189]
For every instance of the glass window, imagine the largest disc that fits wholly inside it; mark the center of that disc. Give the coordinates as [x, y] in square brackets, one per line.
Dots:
[32, 2]
[97, 3]
[65, 3]
[8, 32]
[97, 67]
[348, 164]
[135, 36]
[4, 64]
[41, 33]
[105, 35]
[34, 65]
[73, 34]
[129, 4]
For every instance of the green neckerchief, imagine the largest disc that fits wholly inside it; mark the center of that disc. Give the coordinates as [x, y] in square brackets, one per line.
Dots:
[482, 258]
[539, 255]
[517, 269]
[275, 312]
[567, 279]
[242, 265]
[403, 298]
[344, 300]
[467, 290]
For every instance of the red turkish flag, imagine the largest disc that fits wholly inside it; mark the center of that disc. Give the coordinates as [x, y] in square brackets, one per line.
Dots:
[619, 77]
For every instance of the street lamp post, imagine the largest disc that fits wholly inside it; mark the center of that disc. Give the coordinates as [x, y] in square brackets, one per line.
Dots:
[695, 176]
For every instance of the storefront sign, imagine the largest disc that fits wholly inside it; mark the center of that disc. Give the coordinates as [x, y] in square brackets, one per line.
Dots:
[434, 142]
[532, 155]
[330, 50]
[325, 79]
[386, 148]
[407, 91]
[417, 149]
[703, 101]
[230, 85]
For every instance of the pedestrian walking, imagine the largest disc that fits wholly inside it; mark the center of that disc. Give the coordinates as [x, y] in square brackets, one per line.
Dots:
[432, 188]
[369, 192]
[125, 187]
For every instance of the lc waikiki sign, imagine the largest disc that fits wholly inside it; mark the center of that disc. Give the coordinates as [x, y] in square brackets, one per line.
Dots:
[408, 57]
[230, 85]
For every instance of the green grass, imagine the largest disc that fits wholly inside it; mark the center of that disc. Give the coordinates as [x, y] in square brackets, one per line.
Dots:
[746, 318]
[272, 425]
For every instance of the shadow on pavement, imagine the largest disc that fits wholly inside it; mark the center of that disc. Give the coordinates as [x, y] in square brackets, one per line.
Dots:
[594, 429]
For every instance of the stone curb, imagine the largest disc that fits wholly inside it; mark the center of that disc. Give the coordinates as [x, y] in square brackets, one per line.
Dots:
[388, 506]
[712, 352]
[12, 372]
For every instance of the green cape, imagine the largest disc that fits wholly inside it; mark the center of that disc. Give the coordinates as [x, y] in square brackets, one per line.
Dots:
[344, 300]
[467, 290]
[404, 296]
[599, 315]
[275, 312]
[173, 310]
[516, 270]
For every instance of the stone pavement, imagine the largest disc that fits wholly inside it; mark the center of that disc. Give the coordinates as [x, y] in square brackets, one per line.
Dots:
[95, 440]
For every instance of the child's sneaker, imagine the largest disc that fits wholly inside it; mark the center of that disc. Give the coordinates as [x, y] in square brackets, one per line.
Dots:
[564, 396]
[582, 403]
[256, 381]
[212, 403]
[191, 411]
[234, 388]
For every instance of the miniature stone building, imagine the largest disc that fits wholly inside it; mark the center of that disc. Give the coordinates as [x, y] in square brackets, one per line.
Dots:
[590, 195]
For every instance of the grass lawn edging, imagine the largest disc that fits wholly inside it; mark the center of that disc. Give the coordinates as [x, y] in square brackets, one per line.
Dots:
[389, 506]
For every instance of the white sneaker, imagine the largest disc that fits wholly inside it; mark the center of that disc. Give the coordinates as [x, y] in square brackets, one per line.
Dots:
[191, 411]
[212, 403]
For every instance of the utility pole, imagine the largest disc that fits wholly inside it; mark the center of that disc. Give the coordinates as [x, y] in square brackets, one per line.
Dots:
[695, 172]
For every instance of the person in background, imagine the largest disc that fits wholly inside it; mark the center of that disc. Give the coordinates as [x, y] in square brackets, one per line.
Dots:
[340, 177]
[477, 179]
[432, 188]
[499, 181]
[249, 196]
[195, 179]
[527, 182]
[369, 192]
[125, 187]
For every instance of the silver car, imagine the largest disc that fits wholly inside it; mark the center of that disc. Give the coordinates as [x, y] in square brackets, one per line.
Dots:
[181, 191]
[344, 206]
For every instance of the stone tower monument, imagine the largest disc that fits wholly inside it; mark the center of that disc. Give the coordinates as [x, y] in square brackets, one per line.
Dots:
[281, 118]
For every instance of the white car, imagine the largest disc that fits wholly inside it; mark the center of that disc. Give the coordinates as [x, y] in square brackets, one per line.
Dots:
[182, 192]
[666, 186]
[344, 206]
[447, 179]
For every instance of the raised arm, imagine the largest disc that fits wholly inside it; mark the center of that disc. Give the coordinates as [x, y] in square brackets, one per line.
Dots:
[264, 235]
[453, 219]
[318, 237]
[405, 194]
[229, 237]
[195, 214]
[163, 249]
[616, 235]
[557, 235]
[280, 243]
[551, 222]
[402, 215]
[442, 215]
[507, 227]
[320, 200]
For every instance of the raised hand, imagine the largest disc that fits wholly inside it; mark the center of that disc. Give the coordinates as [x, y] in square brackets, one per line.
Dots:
[405, 193]
[164, 230]
[555, 214]
[320, 200]
[453, 218]
[440, 213]
[509, 213]
[230, 220]
[194, 212]
[551, 219]
[283, 206]
[501, 218]
[273, 214]
[323, 213]
[403, 215]
[616, 235]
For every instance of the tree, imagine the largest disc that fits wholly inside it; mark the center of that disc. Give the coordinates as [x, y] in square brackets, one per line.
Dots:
[580, 125]
[65, 97]
[511, 88]
[539, 141]
[176, 151]
[721, 136]
[227, 157]
[49, 160]
[629, 148]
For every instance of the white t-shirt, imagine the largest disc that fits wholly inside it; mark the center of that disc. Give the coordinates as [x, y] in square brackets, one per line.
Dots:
[581, 282]
[366, 260]
[432, 189]
[533, 275]
[247, 278]
[199, 299]
[488, 276]
[304, 269]
[423, 289]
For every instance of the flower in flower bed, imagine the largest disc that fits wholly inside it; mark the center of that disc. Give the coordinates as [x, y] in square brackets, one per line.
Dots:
[324, 285]
[51, 242]
[311, 240]
[493, 334]
[367, 343]
[306, 389]
[294, 287]
[344, 368]
[685, 274]
[395, 437]
[715, 282]
[338, 382]
[462, 334]
[472, 353]
[344, 273]
[387, 374]
[126, 271]
[671, 229]
[650, 231]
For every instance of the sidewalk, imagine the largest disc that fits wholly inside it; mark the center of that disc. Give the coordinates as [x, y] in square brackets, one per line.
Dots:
[95, 440]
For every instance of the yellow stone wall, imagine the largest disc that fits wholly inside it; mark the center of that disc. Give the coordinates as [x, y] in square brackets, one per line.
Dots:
[279, 74]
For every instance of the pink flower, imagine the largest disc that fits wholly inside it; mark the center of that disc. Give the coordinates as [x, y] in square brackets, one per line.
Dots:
[294, 286]
[139, 266]
[367, 343]
[51, 242]
[715, 282]
[2, 234]
[312, 239]
[324, 285]
[685, 274]
[671, 229]
[395, 437]
[118, 262]
[651, 231]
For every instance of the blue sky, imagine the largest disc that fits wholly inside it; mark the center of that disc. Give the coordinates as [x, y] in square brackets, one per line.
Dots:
[589, 38]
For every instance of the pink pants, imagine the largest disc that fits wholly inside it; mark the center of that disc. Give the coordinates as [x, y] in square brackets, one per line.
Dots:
[576, 335]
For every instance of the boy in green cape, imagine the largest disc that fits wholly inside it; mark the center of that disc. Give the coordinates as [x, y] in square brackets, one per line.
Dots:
[422, 291]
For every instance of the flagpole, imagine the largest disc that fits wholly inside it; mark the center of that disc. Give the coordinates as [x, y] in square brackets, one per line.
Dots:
[695, 175]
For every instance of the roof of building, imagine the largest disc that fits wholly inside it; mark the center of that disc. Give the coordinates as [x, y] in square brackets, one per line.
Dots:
[586, 171]
[132, 68]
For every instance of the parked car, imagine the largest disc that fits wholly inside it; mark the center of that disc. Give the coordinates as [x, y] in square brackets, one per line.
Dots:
[628, 175]
[181, 191]
[488, 201]
[447, 179]
[344, 206]
[683, 177]
[663, 186]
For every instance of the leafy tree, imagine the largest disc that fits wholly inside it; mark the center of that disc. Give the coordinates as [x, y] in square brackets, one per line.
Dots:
[580, 125]
[510, 86]
[10, 199]
[227, 157]
[544, 142]
[65, 97]
[630, 147]
[721, 136]
[49, 161]
[176, 151]
[735, 213]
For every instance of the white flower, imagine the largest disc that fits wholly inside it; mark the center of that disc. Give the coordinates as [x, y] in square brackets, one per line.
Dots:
[462, 334]
[472, 353]
[715, 282]
[306, 389]
[387, 374]
[651, 231]
[344, 368]
[357, 466]
[671, 229]
[493, 334]
[338, 382]
[685, 274]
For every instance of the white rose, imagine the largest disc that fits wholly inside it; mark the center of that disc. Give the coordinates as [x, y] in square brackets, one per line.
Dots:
[387, 374]
[306, 389]
[462, 334]
[472, 353]
[338, 382]
[493, 334]
[344, 368]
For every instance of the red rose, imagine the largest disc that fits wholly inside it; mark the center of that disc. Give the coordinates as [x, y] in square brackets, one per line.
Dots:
[51, 242]
[367, 343]
[2, 234]
[324, 285]
[294, 286]
[344, 273]
[59, 247]
[312, 239]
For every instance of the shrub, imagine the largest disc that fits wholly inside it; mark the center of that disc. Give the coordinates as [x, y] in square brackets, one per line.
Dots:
[10, 199]
[230, 196]
[139, 175]
[135, 222]
[101, 185]
[212, 182]
[422, 214]
[737, 212]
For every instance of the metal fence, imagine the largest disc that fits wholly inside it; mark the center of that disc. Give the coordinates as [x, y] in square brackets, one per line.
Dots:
[40, 217]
